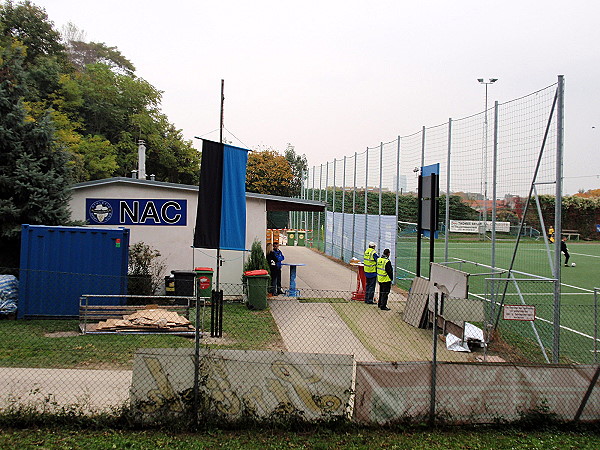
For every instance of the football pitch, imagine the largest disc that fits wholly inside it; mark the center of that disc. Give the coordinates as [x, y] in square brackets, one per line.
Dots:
[578, 303]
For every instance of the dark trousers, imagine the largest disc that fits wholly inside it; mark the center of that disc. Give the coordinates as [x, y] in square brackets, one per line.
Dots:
[275, 280]
[567, 256]
[384, 292]
[370, 289]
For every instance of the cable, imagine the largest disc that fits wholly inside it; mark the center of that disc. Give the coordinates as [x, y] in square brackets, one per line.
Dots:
[236, 137]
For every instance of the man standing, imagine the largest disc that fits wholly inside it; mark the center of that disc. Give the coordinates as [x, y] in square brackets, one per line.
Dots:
[565, 250]
[370, 265]
[384, 276]
[274, 258]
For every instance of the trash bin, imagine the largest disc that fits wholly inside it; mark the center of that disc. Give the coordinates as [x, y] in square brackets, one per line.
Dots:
[170, 285]
[257, 282]
[291, 235]
[302, 238]
[184, 282]
[204, 281]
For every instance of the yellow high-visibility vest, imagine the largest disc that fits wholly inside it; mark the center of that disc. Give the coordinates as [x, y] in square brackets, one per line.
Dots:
[369, 261]
[382, 275]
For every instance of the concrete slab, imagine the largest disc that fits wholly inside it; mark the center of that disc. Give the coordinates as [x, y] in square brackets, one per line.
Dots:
[89, 390]
[315, 328]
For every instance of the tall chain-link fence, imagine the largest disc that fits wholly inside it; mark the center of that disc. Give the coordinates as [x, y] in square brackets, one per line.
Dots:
[500, 181]
[314, 354]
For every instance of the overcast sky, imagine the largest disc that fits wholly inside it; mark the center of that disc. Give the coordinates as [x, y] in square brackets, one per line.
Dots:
[335, 77]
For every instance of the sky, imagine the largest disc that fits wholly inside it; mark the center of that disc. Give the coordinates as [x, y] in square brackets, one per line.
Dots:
[333, 77]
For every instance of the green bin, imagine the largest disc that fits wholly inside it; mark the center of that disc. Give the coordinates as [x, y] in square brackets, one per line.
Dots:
[258, 283]
[302, 238]
[204, 281]
[291, 237]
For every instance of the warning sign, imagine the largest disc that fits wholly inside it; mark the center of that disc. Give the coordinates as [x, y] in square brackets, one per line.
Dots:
[519, 312]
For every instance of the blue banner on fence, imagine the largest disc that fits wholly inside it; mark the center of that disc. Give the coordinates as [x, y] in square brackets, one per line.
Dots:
[136, 211]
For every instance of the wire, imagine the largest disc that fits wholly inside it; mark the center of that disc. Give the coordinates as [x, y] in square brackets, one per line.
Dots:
[586, 176]
[205, 134]
[236, 137]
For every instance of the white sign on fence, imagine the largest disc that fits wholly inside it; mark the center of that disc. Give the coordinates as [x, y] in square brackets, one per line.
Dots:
[519, 312]
[474, 226]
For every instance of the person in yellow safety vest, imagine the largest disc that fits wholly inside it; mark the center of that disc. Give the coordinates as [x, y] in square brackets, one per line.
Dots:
[384, 276]
[370, 265]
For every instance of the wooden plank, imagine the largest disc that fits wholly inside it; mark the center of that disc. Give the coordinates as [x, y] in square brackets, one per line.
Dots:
[416, 302]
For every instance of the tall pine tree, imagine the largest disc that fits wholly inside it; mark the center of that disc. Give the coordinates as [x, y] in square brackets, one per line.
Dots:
[33, 172]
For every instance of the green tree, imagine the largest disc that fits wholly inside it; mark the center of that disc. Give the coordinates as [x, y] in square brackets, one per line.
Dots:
[28, 24]
[98, 106]
[299, 166]
[33, 172]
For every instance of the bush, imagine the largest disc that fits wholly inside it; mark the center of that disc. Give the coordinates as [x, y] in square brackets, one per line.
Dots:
[146, 269]
[257, 259]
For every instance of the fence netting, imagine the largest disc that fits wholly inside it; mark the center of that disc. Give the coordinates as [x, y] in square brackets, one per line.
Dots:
[316, 354]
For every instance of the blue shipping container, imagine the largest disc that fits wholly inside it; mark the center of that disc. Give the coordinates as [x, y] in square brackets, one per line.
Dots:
[59, 264]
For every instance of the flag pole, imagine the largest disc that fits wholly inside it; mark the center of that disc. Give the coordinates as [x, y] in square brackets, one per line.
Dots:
[221, 126]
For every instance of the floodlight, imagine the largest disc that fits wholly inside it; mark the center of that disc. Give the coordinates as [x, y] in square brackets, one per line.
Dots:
[480, 80]
[493, 80]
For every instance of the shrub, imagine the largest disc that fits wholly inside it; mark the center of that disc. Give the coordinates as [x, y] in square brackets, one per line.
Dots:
[146, 269]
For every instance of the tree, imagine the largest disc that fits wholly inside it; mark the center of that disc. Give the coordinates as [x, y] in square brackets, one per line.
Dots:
[589, 193]
[268, 173]
[98, 106]
[33, 172]
[299, 167]
[29, 25]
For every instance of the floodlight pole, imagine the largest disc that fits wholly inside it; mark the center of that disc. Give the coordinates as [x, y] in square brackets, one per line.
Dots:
[485, 123]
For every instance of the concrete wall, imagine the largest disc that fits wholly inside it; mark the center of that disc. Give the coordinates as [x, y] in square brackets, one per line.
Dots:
[175, 242]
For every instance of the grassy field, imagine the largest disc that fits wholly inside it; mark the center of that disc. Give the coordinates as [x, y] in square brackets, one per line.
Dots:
[270, 439]
[58, 344]
[578, 317]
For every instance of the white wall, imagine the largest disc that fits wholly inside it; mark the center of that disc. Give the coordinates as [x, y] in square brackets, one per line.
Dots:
[175, 242]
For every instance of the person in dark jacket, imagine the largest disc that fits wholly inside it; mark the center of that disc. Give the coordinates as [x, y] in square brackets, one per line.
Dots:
[274, 258]
[385, 274]
[565, 250]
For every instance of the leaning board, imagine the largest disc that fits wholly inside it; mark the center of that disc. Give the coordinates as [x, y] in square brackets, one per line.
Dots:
[416, 302]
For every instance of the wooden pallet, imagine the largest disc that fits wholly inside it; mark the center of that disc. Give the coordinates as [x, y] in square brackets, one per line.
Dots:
[91, 315]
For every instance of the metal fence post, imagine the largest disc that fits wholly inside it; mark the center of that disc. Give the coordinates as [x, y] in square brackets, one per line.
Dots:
[397, 210]
[558, 215]
[423, 147]
[447, 221]
[354, 204]
[494, 184]
[321, 214]
[326, 198]
[433, 360]
[343, 209]
[366, 194]
[333, 208]
[596, 325]
[380, 195]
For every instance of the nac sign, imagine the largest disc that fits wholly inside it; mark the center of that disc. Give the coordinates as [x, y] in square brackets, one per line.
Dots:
[136, 211]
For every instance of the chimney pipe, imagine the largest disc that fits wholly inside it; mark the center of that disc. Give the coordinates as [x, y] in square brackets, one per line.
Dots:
[141, 160]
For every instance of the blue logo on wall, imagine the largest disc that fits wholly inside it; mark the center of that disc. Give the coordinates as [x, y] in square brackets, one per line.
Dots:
[100, 211]
[136, 212]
